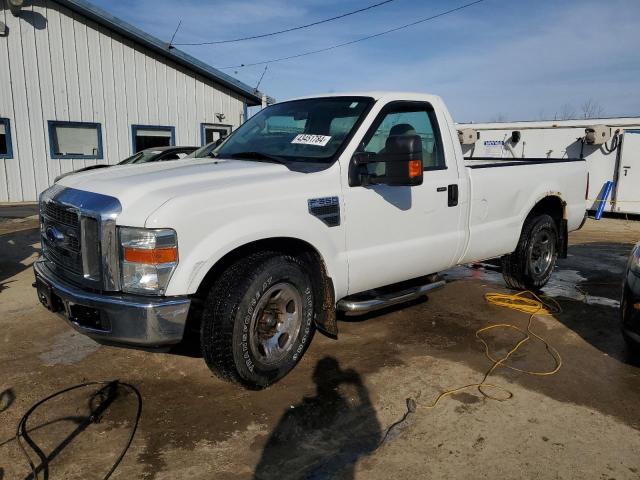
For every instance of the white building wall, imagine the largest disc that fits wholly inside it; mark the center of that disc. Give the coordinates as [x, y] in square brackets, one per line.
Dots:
[58, 65]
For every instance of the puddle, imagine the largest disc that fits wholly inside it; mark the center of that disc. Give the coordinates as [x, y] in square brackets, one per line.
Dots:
[68, 348]
[563, 283]
[477, 271]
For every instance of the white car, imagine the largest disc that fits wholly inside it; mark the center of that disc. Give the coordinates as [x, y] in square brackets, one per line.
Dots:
[308, 208]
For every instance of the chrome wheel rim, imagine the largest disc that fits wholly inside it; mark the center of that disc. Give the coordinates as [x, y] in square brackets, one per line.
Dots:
[542, 252]
[275, 323]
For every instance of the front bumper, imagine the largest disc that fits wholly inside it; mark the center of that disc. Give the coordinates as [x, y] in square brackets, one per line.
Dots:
[124, 319]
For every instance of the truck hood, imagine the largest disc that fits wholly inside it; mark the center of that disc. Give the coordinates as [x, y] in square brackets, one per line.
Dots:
[141, 189]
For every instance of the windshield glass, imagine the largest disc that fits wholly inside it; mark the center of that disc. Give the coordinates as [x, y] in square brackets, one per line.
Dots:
[203, 151]
[309, 130]
[140, 157]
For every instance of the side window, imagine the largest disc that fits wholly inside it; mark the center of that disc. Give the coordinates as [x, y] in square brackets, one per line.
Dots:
[75, 139]
[150, 136]
[5, 139]
[408, 119]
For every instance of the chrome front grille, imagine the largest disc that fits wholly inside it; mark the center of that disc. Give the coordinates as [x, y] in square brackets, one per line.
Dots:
[79, 236]
[60, 229]
[61, 214]
[64, 259]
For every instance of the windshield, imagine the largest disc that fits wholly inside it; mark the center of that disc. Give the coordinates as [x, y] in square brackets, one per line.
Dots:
[308, 130]
[203, 151]
[140, 157]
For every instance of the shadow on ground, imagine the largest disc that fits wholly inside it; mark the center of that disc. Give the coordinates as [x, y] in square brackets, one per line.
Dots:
[323, 436]
[598, 325]
[15, 251]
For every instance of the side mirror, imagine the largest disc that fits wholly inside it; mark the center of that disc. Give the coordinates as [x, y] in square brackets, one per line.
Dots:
[402, 160]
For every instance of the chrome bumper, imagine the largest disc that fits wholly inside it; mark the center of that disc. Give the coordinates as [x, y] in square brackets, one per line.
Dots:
[133, 320]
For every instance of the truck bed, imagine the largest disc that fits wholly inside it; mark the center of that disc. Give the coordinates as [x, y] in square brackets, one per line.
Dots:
[502, 192]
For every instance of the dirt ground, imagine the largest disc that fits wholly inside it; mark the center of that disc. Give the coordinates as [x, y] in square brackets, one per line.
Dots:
[327, 417]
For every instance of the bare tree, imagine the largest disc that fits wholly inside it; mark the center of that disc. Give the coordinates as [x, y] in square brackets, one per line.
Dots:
[591, 109]
[567, 112]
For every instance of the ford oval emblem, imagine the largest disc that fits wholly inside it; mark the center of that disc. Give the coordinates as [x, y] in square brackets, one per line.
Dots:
[54, 235]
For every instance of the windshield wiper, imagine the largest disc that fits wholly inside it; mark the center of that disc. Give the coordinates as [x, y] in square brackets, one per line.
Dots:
[258, 156]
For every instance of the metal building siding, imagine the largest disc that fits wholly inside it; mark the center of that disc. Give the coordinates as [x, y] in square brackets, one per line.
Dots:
[59, 65]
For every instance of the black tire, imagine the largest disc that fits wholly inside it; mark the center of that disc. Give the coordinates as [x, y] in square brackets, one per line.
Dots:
[232, 335]
[632, 346]
[523, 269]
[626, 311]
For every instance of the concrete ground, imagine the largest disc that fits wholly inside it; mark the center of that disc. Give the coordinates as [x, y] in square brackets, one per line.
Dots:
[325, 419]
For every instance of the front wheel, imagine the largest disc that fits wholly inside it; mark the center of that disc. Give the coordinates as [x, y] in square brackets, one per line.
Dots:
[530, 266]
[258, 319]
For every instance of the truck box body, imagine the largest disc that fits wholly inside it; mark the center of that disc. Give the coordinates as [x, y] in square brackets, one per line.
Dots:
[563, 139]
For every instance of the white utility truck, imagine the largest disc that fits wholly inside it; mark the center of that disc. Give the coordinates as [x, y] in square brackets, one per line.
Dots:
[332, 203]
[610, 146]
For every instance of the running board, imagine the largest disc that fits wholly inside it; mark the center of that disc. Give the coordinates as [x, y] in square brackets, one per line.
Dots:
[359, 307]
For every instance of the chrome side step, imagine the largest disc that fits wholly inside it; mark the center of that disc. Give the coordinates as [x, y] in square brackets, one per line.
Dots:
[352, 306]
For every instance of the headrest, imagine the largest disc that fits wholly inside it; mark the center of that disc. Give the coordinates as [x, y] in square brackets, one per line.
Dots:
[402, 129]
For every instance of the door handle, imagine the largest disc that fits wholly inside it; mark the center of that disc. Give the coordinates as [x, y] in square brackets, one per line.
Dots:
[441, 189]
[452, 196]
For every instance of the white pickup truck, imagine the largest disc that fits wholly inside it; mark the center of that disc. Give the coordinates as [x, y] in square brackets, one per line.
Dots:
[323, 204]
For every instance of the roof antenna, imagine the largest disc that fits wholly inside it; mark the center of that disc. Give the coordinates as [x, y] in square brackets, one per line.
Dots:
[170, 46]
[261, 77]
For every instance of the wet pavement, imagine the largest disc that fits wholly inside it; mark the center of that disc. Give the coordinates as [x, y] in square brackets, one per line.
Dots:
[327, 418]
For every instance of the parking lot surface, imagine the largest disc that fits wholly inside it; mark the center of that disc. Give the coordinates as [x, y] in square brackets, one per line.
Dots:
[329, 416]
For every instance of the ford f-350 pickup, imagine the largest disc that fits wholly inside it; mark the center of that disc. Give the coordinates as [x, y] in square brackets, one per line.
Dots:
[342, 202]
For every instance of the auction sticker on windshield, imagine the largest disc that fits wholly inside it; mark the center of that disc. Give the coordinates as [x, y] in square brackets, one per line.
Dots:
[306, 139]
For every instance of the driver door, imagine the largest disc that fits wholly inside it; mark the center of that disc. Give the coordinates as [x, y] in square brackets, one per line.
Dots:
[396, 233]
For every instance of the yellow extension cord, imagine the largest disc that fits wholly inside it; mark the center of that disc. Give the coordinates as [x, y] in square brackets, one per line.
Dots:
[526, 302]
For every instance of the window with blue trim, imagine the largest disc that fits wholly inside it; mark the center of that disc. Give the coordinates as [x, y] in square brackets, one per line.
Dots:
[6, 150]
[81, 140]
[152, 136]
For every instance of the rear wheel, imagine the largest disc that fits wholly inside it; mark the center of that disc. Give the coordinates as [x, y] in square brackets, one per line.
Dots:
[258, 319]
[530, 266]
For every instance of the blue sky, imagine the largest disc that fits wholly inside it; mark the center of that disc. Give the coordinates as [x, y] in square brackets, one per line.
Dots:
[513, 59]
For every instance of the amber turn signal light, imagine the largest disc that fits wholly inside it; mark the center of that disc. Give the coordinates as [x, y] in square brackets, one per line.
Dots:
[151, 256]
[415, 168]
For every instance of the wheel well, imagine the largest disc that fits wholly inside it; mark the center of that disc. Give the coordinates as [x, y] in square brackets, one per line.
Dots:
[550, 205]
[322, 283]
[285, 245]
[554, 207]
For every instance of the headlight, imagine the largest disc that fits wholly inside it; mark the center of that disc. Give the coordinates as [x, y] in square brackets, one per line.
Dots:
[149, 257]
